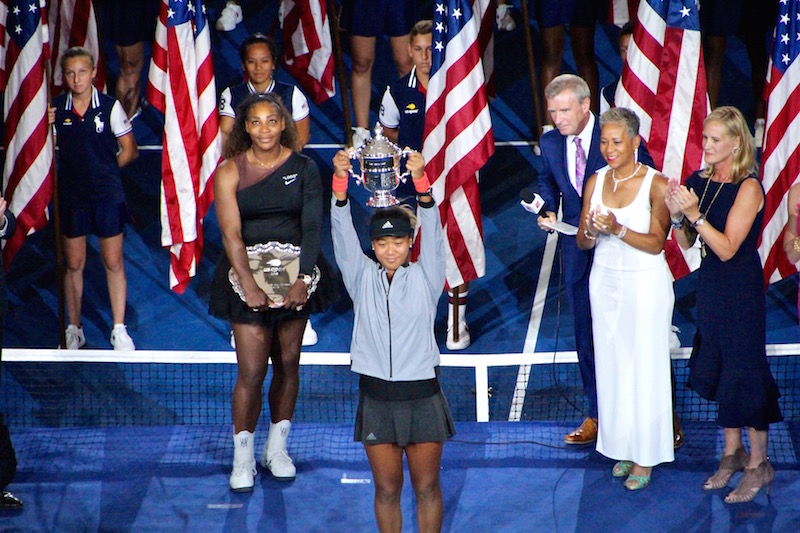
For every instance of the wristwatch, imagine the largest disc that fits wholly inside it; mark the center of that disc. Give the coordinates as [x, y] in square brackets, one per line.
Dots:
[305, 278]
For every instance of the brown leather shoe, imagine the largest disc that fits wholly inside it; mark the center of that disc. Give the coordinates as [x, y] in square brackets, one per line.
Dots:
[677, 431]
[585, 434]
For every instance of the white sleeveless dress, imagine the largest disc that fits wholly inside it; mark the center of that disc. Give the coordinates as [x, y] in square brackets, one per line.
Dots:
[631, 298]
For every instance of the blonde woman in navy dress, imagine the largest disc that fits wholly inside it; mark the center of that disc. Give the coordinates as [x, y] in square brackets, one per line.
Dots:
[723, 206]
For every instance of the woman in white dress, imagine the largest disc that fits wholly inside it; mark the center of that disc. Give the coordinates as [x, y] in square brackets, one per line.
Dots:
[631, 296]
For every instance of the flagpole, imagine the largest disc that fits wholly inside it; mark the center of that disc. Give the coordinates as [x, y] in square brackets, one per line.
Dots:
[337, 57]
[62, 322]
[537, 108]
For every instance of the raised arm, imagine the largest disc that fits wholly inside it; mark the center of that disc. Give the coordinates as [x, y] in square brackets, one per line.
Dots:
[346, 247]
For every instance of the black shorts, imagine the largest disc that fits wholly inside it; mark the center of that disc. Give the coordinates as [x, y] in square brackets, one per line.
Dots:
[578, 13]
[394, 18]
[102, 220]
[131, 21]
[403, 422]
[720, 18]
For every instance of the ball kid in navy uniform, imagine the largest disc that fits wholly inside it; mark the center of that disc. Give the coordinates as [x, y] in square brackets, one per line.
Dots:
[95, 139]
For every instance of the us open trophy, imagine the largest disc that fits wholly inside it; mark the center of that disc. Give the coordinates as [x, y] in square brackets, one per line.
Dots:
[379, 159]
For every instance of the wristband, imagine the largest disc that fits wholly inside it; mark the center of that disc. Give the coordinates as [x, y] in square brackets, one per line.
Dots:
[622, 232]
[677, 224]
[421, 184]
[339, 184]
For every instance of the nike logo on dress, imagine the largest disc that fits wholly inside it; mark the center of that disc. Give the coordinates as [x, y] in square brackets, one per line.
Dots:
[288, 180]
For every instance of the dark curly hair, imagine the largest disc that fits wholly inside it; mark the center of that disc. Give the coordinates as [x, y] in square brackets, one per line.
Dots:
[239, 140]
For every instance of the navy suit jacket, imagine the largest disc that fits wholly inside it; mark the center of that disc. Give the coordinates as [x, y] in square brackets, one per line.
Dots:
[554, 184]
[10, 229]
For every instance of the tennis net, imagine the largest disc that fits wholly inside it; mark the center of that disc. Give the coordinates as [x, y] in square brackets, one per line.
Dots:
[99, 401]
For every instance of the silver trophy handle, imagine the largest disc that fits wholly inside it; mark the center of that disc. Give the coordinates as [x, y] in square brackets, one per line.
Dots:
[402, 178]
[354, 157]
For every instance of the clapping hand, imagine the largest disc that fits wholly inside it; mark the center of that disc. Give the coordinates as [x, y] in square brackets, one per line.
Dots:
[602, 222]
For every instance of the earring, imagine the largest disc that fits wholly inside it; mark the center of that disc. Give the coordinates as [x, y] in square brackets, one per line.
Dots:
[735, 150]
[635, 157]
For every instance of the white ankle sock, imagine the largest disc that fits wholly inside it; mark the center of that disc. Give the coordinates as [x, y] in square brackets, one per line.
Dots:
[278, 436]
[243, 447]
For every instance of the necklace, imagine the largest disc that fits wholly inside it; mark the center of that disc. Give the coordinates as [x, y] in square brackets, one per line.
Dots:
[703, 249]
[264, 165]
[618, 181]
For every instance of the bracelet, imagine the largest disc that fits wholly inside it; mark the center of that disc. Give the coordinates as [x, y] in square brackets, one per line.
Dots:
[589, 235]
[622, 232]
[421, 184]
[796, 244]
[339, 184]
[678, 224]
[699, 222]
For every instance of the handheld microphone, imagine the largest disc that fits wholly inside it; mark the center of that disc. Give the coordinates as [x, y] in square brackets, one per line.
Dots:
[530, 201]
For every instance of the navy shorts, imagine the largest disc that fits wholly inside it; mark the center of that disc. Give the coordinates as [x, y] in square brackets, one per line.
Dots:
[578, 13]
[131, 21]
[102, 220]
[394, 18]
[720, 18]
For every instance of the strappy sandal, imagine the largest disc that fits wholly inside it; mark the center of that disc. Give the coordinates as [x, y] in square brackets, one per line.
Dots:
[752, 481]
[622, 468]
[637, 482]
[728, 466]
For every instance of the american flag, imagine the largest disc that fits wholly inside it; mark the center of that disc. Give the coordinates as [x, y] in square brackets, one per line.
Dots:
[74, 23]
[664, 82]
[458, 137]
[780, 154]
[28, 169]
[181, 85]
[308, 50]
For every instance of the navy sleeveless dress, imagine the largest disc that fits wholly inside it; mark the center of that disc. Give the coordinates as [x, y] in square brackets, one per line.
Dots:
[729, 361]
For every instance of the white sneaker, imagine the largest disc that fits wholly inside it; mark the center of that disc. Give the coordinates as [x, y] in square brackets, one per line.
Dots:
[360, 136]
[758, 134]
[231, 16]
[280, 465]
[75, 337]
[310, 337]
[674, 341]
[120, 339]
[243, 476]
[463, 337]
[505, 22]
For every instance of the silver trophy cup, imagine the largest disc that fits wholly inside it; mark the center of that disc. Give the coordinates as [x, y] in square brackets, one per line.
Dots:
[379, 159]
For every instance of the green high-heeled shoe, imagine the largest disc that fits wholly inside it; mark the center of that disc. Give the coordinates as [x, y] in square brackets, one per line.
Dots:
[622, 468]
[637, 482]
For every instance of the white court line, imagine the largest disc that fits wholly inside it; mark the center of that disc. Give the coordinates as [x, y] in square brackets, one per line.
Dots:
[539, 299]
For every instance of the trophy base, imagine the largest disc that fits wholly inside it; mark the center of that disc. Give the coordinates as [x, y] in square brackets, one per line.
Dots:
[382, 199]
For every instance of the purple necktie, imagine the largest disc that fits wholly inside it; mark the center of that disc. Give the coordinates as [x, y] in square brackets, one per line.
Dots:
[580, 165]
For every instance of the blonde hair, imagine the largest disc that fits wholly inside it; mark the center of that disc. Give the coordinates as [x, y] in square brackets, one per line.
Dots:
[744, 160]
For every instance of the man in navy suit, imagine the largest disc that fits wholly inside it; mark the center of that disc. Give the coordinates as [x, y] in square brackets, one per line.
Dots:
[8, 458]
[570, 153]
